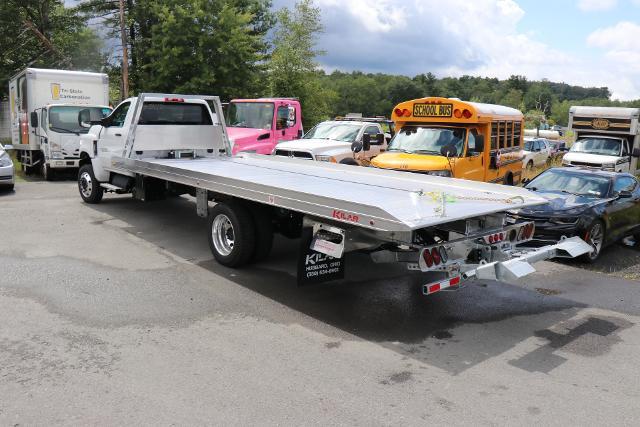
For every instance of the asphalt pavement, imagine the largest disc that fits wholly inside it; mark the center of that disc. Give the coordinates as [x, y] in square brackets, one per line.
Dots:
[117, 314]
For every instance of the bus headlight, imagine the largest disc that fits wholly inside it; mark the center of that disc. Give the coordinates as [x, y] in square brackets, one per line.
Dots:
[446, 173]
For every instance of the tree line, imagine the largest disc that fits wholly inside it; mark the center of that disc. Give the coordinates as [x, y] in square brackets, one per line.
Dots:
[240, 48]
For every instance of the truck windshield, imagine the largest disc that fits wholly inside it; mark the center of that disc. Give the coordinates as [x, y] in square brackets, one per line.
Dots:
[602, 146]
[346, 132]
[428, 140]
[255, 115]
[64, 119]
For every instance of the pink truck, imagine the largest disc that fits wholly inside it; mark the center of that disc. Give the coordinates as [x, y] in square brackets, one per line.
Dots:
[258, 125]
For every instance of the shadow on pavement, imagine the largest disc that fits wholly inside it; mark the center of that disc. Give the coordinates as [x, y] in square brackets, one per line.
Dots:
[375, 302]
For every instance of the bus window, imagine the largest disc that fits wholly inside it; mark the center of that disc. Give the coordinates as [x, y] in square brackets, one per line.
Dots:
[509, 135]
[494, 136]
[471, 143]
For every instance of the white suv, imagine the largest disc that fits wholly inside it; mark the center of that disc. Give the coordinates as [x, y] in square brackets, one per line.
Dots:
[536, 152]
[331, 141]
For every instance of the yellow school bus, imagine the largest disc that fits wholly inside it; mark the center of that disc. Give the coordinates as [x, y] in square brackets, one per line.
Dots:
[449, 137]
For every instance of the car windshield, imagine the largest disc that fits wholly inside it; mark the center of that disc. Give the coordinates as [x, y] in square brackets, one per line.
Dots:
[255, 115]
[603, 146]
[422, 139]
[64, 119]
[346, 132]
[563, 181]
[528, 145]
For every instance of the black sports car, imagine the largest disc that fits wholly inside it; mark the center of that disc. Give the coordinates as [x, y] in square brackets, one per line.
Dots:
[599, 206]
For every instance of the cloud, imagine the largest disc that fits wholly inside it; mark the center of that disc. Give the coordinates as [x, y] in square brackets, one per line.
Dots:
[597, 5]
[620, 43]
[460, 37]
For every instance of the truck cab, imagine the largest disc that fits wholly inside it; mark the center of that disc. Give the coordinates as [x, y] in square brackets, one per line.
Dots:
[258, 125]
[332, 141]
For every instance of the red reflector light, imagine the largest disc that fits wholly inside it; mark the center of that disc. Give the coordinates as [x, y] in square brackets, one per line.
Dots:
[406, 112]
[174, 100]
[436, 256]
[398, 112]
[426, 255]
[457, 114]
[466, 114]
[434, 288]
[454, 281]
[491, 239]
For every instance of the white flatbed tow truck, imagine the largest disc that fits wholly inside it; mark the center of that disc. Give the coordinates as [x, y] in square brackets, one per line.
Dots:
[450, 230]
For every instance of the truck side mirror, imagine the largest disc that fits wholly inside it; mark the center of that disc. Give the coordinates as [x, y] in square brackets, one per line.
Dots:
[356, 146]
[380, 139]
[636, 152]
[366, 141]
[89, 117]
[479, 144]
[300, 134]
[33, 119]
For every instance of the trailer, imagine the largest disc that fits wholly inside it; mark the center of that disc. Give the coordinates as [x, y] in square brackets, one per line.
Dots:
[44, 105]
[447, 229]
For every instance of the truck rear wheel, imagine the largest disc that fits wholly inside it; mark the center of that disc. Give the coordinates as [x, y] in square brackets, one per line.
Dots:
[88, 185]
[231, 234]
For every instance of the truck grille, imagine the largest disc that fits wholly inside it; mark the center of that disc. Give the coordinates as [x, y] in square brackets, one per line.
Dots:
[590, 165]
[296, 154]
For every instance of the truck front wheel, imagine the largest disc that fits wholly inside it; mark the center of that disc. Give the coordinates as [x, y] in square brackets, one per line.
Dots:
[89, 187]
[46, 171]
[231, 234]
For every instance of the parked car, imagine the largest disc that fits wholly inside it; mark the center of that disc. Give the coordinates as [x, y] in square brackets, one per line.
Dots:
[558, 129]
[601, 207]
[558, 148]
[7, 172]
[536, 152]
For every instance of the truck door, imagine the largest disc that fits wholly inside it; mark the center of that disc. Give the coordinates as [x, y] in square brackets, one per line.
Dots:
[286, 123]
[625, 165]
[470, 164]
[112, 137]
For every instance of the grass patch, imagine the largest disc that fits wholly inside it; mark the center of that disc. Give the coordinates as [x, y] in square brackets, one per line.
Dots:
[551, 163]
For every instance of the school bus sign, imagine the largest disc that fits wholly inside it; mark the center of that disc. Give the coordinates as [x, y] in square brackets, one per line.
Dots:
[432, 110]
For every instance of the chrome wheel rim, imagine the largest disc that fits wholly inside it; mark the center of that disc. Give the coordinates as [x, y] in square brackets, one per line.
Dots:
[86, 184]
[223, 235]
[595, 240]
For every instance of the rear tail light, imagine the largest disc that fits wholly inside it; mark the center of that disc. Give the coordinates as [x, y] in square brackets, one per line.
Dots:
[466, 114]
[406, 112]
[428, 260]
[398, 112]
[457, 113]
[435, 254]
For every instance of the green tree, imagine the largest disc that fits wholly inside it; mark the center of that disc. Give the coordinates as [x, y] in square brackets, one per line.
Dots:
[513, 98]
[43, 33]
[292, 66]
[203, 46]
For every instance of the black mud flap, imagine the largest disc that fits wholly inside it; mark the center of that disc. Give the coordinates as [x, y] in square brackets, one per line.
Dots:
[315, 267]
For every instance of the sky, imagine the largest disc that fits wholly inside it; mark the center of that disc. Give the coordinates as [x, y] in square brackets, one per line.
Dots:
[582, 42]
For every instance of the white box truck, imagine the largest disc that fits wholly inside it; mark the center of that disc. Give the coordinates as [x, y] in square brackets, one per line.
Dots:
[44, 107]
[606, 138]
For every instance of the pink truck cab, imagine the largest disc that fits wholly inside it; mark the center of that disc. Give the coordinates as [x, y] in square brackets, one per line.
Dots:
[258, 125]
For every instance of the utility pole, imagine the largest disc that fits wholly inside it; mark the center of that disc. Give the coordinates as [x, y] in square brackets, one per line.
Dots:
[125, 54]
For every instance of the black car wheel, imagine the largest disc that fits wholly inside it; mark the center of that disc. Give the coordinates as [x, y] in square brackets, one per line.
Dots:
[594, 237]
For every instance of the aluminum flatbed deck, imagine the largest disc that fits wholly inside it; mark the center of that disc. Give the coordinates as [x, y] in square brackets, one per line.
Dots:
[381, 200]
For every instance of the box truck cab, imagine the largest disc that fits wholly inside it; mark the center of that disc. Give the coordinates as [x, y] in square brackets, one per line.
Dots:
[606, 138]
[258, 125]
[453, 138]
[44, 107]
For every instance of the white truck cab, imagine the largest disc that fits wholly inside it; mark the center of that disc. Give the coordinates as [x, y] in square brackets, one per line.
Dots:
[331, 141]
[44, 106]
[606, 138]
